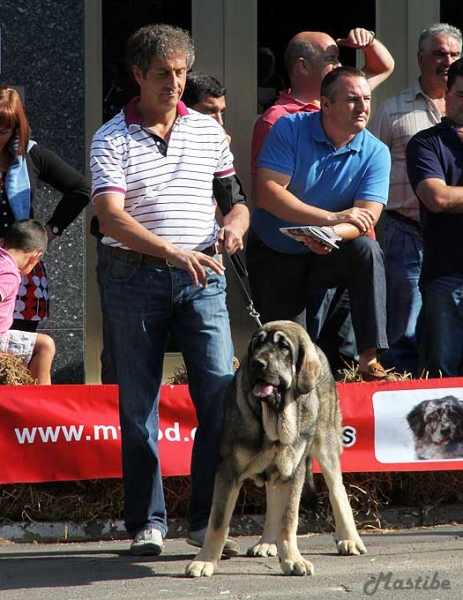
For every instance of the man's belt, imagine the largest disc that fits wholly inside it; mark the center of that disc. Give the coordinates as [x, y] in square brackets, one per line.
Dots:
[148, 259]
[403, 219]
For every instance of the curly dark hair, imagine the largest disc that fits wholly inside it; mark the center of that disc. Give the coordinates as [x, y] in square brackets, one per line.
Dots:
[158, 42]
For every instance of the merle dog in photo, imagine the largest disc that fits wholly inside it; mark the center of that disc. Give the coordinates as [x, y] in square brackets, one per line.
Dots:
[437, 427]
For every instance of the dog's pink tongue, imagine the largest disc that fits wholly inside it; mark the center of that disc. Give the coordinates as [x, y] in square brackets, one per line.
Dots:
[262, 390]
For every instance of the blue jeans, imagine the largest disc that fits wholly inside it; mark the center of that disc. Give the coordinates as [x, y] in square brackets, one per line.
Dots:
[145, 303]
[441, 327]
[403, 252]
[108, 374]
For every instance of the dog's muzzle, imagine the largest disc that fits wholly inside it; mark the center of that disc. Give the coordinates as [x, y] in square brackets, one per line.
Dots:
[268, 393]
[268, 386]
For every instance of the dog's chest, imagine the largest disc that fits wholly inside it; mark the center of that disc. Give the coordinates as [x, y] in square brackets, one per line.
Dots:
[281, 426]
[282, 430]
[273, 459]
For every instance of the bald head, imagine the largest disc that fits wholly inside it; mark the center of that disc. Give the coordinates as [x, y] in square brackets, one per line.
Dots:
[308, 45]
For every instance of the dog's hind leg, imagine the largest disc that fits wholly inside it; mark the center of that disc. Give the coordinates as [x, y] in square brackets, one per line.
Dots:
[226, 492]
[309, 499]
[286, 501]
[347, 538]
[266, 546]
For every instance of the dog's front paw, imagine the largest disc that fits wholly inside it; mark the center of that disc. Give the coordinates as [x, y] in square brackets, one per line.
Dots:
[300, 566]
[263, 549]
[350, 547]
[198, 568]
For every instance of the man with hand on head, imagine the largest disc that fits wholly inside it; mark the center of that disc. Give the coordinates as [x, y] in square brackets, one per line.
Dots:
[309, 56]
[152, 168]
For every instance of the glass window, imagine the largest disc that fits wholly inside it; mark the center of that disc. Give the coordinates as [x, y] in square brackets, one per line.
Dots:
[451, 11]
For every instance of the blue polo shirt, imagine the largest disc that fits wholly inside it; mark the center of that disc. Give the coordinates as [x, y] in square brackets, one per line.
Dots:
[437, 153]
[320, 175]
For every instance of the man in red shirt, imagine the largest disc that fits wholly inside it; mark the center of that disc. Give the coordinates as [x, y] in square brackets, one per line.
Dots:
[309, 56]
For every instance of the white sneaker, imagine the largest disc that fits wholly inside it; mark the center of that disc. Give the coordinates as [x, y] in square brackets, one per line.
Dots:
[196, 538]
[147, 542]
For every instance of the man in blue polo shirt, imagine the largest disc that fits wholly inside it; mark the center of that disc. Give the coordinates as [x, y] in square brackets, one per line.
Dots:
[435, 169]
[323, 169]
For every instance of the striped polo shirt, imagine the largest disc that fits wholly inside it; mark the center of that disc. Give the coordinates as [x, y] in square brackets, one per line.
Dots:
[166, 187]
[394, 122]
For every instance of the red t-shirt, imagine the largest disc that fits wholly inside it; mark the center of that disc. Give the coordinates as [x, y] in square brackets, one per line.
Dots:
[285, 105]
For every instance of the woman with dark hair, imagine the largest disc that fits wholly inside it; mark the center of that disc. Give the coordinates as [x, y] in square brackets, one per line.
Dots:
[23, 163]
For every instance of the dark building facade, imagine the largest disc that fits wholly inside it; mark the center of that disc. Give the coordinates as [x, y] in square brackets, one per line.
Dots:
[66, 58]
[42, 54]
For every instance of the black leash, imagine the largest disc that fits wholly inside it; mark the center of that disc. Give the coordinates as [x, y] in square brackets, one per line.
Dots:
[241, 275]
[224, 197]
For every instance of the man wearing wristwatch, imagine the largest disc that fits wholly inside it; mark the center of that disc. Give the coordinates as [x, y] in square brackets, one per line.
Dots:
[52, 231]
[309, 56]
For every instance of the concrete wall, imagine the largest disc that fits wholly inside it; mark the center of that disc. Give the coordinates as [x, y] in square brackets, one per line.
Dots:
[42, 53]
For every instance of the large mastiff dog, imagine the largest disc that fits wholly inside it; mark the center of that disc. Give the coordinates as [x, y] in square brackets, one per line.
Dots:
[282, 409]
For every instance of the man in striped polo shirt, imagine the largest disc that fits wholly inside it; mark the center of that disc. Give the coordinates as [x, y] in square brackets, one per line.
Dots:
[152, 168]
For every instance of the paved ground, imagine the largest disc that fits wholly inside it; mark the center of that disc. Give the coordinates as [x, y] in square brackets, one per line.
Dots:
[427, 560]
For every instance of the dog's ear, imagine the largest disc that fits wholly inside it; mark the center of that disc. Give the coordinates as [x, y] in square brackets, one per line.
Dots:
[256, 338]
[308, 365]
[457, 416]
[415, 420]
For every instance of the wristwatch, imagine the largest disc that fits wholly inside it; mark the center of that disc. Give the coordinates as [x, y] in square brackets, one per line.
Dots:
[54, 229]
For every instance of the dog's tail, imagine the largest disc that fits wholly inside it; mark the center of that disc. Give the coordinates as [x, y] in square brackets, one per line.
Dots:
[309, 499]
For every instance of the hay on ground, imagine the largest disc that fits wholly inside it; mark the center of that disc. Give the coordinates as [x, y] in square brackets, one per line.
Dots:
[87, 501]
[13, 371]
[351, 374]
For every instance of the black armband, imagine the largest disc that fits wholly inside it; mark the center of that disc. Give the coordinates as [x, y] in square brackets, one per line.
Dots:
[228, 191]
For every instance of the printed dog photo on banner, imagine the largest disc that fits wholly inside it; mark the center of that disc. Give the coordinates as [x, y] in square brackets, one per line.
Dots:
[418, 425]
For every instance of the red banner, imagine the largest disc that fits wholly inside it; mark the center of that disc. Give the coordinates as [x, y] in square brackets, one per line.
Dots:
[377, 435]
[71, 432]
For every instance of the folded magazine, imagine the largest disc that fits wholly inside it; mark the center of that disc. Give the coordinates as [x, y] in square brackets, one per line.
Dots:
[323, 234]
